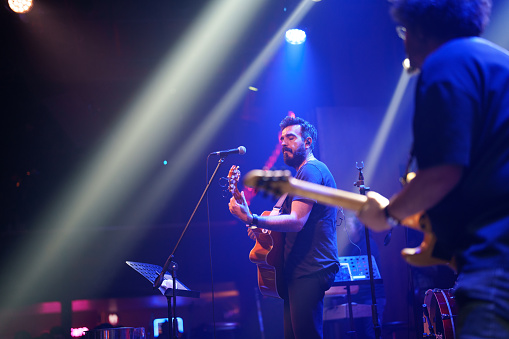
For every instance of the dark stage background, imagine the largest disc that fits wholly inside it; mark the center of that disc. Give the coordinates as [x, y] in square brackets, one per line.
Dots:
[70, 71]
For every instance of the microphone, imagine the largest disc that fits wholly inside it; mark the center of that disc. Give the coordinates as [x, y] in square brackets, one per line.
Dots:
[241, 150]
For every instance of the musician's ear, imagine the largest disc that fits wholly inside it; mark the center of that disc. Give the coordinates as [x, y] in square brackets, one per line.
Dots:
[308, 141]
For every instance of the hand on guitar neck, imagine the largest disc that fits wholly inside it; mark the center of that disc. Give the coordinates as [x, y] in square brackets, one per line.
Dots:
[238, 204]
[241, 209]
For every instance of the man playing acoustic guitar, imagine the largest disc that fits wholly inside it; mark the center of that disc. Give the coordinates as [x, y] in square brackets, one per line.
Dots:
[461, 144]
[309, 232]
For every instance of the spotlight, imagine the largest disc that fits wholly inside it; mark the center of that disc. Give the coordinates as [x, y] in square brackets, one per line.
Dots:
[20, 6]
[295, 36]
[406, 64]
[113, 319]
[408, 67]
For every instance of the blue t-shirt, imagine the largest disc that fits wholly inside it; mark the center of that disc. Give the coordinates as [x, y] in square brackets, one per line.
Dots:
[315, 247]
[462, 117]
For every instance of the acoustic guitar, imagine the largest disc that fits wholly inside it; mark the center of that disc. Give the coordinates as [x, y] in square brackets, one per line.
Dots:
[268, 251]
[278, 182]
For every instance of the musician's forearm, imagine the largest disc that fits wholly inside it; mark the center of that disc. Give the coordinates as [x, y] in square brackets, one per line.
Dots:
[280, 223]
[425, 190]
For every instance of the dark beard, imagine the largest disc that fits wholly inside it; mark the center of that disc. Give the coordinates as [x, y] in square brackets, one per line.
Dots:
[298, 157]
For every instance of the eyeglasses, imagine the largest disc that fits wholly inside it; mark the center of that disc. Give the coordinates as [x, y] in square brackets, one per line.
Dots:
[401, 32]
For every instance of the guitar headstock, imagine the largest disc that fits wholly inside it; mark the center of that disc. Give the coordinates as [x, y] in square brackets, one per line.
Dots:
[273, 182]
[233, 180]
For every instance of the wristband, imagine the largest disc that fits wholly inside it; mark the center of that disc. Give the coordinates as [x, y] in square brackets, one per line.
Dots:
[254, 222]
[393, 222]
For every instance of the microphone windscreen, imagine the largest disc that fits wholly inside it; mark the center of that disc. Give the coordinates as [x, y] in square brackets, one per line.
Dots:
[242, 150]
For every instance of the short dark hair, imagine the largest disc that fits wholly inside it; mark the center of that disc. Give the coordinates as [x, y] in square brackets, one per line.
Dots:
[443, 19]
[307, 130]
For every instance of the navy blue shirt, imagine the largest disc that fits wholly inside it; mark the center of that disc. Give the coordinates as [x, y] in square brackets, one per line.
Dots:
[315, 247]
[462, 118]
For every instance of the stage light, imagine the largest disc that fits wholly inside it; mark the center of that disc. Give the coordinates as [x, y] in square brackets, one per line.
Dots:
[406, 64]
[79, 332]
[113, 319]
[295, 36]
[20, 6]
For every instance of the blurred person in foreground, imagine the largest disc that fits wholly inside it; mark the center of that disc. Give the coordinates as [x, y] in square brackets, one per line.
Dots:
[461, 138]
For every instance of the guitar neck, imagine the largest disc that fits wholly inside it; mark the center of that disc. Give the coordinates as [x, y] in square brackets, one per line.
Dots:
[336, 197]
[237, 195]
[278, 182]
[326, 195]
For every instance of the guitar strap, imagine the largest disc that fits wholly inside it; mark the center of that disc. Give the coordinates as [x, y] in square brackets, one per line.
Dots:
[276, 210]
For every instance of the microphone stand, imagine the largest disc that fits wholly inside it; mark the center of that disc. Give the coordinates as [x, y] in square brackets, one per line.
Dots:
[374, 313]
[172, 310]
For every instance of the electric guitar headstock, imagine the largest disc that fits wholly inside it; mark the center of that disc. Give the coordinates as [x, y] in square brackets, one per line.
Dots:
[273, 182]
[233, 180]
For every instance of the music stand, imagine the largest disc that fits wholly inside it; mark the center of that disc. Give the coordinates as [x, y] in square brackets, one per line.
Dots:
[355, 271]
[151, 272]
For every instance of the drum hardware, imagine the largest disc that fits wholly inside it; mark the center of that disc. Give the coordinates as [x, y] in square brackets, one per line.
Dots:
[439, 312]
[429, 332]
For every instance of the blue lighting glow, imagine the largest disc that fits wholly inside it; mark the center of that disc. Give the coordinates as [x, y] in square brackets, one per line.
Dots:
[158, 324]
[295, 36]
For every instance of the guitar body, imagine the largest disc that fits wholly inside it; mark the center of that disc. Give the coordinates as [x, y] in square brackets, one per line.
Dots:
[423, 254]
[268, 255]
[268, 251]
